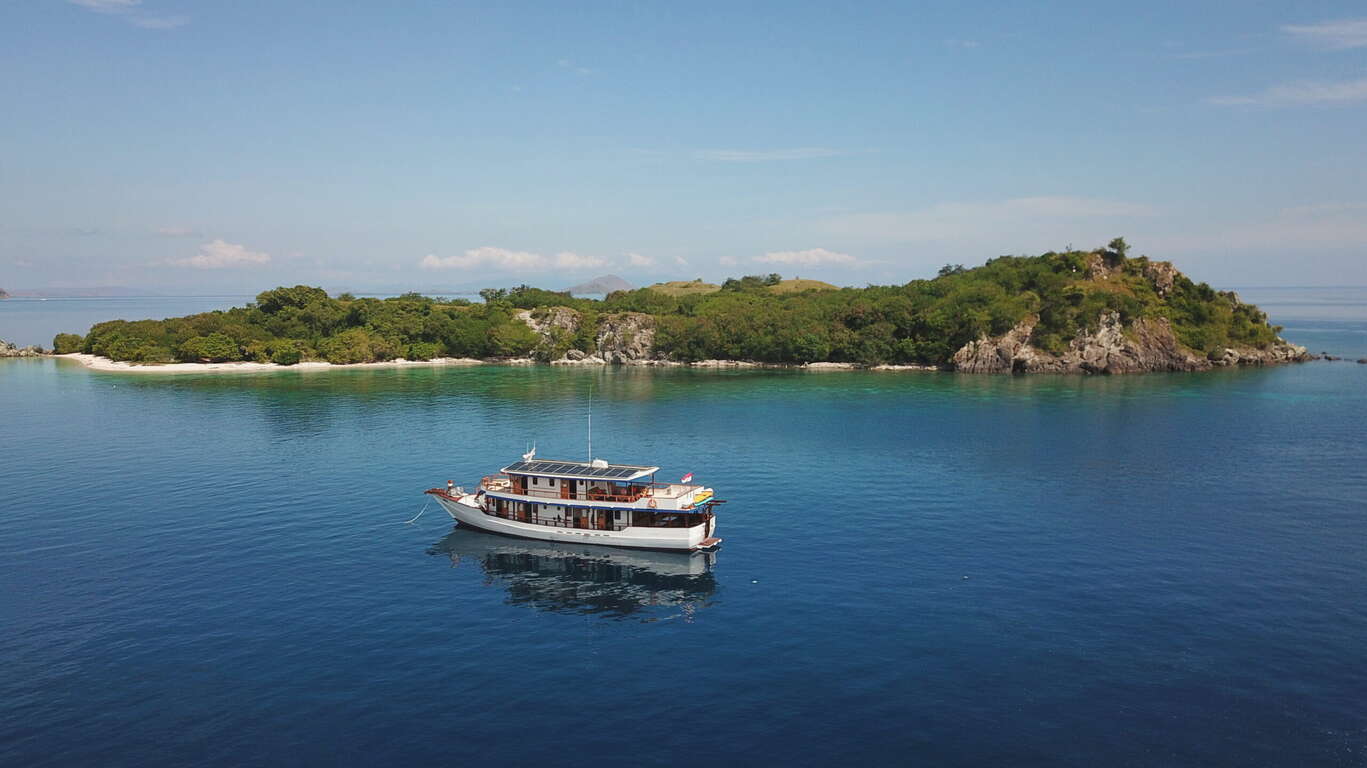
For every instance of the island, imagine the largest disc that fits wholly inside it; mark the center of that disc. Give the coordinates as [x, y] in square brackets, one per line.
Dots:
[599, 286]
[1092, 312]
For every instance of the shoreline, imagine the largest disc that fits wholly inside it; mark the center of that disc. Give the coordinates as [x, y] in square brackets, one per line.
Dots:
[105, 365]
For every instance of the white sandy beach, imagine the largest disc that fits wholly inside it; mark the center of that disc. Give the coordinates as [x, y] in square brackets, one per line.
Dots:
[97, 363]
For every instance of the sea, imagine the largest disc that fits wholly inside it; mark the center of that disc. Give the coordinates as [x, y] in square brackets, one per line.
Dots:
[919, 568]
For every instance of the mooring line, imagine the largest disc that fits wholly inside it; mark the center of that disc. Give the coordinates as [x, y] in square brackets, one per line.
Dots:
[415, 517]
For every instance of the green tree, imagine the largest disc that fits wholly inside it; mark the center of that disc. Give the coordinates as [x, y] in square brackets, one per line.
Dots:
[513, 339]
[273, 301]
[214, 348]
[66, 343]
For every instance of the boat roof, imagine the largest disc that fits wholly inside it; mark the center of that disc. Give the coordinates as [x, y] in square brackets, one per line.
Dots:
[579, 470]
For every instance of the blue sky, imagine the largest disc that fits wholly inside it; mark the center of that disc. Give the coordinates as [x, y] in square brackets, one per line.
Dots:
[199, 147]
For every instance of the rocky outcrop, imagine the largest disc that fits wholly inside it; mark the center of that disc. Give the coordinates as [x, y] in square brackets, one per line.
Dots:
[550, 320]
[9, 350]
[579, 357]
[1009, 352]
[555, 327]
[1273, 355]
[628, 338]
[1147, 345]
[1163, 275]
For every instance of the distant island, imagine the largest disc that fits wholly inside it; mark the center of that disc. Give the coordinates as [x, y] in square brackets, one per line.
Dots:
[1098, 311]
[600, 286]
[97, 292]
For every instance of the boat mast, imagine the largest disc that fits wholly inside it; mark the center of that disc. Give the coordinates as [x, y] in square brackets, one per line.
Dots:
[590, 422]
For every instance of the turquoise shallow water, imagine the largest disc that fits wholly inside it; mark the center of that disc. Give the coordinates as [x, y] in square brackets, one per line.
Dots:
[1161, 569]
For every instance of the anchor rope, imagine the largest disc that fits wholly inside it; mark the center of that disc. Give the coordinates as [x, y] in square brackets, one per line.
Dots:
[415, 517]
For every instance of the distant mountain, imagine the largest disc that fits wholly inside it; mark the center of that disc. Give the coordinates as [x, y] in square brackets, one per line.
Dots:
[604, 284]
[3, 295]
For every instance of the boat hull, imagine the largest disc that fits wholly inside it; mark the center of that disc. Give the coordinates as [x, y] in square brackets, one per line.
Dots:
[466, 511]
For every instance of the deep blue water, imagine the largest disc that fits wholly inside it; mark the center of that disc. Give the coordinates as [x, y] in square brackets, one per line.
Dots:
[918, 568]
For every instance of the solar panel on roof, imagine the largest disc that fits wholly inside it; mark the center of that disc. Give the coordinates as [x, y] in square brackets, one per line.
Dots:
[576, 469]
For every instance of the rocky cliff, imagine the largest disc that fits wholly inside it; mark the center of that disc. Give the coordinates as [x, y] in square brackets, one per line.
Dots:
[626, 338]
[1147, 345]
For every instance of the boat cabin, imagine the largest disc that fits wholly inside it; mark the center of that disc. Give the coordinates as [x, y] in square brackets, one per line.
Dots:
[595, 495]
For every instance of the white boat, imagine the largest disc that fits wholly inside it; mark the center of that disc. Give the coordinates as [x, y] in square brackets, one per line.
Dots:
[594, 502]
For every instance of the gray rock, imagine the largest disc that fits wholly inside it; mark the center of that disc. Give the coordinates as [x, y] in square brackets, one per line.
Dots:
[628, 337]
[9, 350]
[554, 325]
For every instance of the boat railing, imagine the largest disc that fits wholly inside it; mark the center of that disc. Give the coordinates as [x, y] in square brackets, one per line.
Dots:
[647, 490]
[560, 522]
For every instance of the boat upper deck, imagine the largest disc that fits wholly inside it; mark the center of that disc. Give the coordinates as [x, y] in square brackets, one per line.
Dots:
[580, 470]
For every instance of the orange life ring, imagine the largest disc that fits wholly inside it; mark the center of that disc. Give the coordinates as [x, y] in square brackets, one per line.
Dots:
[651, 504]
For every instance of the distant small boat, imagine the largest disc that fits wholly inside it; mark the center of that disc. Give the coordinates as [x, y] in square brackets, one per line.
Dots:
[594, 502]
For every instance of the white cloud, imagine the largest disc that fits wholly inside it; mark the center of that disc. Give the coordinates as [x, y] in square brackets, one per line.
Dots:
[508, 260]
[176, 232]
[486, 256]
[766, 155]
[681, 261]
[570, 65]
[727, 261]
[637, 260]
[812, 256]
[131, 10]
[1302, 93]
[108, 6]
[1334, 35]
[567, 260]
[160, 22]
[1031, 221]
[219, 255]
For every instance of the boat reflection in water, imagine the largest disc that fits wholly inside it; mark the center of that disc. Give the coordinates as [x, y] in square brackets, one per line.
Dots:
[569, 578]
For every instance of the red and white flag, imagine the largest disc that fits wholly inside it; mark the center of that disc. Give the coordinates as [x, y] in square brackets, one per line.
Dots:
[688, 478]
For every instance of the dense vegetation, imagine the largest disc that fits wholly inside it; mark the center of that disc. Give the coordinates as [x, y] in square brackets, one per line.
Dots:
[923, 321]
